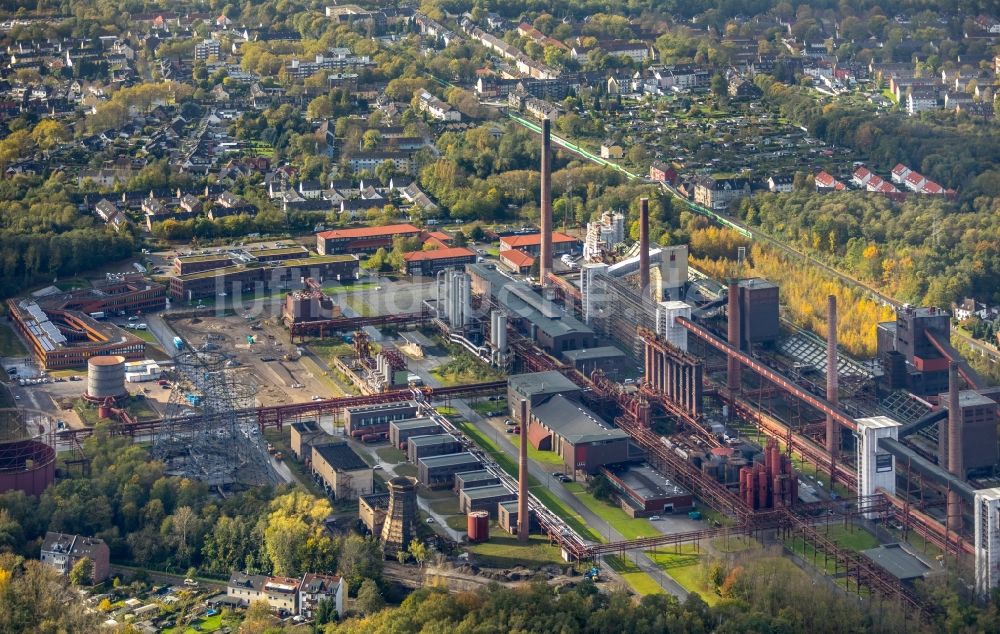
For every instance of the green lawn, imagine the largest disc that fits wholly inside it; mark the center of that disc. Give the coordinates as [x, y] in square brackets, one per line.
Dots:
[630, 528]
[406, 470]
[146, 336]
[545, 457]
[504, 551]
[735, 544]
[483, 408]
[391, 455]
[456, 522]
[10, 345]
[447, 506]
[685, 568]
[637, 579]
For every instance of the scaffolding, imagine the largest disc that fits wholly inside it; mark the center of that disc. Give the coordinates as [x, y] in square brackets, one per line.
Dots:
[210, 431]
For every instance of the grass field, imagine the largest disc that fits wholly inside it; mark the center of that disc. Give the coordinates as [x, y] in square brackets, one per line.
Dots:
[146, 336]
[406, 470]
[684, 567]
[630, 528]
[504, 551]
[10, 345]
[545, 457]
[323, 377]
[856, 540]
[207, 624]
[391, 455]
[636, 578]
[448, 506]
[735, 544]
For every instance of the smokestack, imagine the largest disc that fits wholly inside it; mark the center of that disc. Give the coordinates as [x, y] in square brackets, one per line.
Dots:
[545, 255]
[733, 367]
[956, 464]
[522, 478]
[644, 246]
[832, 430]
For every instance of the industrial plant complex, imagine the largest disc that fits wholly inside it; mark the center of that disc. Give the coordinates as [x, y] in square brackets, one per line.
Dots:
[620, 369]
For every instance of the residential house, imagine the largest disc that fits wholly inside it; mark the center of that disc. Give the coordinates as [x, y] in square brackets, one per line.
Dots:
[315, 588]
[920, 99]
[426, 102]
[61, 552]
[662, 173]
[827, 183]
[719, 193]
[611, 150]
[780, 183]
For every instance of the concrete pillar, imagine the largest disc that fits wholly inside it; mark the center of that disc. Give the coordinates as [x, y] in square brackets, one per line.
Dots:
[956, 460]
[733, 337]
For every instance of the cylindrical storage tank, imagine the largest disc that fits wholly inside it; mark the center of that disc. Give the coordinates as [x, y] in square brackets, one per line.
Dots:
[104, 411]
[501, 327]
[733, 468]
[478, 527]
[106, 377]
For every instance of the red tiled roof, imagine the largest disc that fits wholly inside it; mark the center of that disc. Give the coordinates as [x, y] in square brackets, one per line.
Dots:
[532, 239]
[438, 254]
[517, 259]
[900, 169]
[825, 179]
[370, 232]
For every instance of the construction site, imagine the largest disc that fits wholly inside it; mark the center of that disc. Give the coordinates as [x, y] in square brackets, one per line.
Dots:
[773, 430]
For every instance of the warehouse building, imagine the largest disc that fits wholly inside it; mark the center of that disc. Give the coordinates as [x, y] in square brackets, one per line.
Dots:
[558, 422]
[418, 447]
[428, 263]
[484, 498]
[552, 328]
[375, 419]
[608, 359]
[262, 277]
[344, 474]
[401, 430]
[362, 239]
[439, 471]
[643, 492]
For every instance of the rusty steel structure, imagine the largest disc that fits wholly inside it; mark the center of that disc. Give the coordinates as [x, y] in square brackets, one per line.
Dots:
[673, 376]
[326, 327]
[275, 416]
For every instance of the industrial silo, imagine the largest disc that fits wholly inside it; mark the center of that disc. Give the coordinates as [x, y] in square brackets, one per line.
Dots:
[106, 377]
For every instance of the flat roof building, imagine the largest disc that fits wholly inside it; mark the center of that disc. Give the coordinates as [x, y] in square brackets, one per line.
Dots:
[401, 430]
[303, 435]
[362, 239]
[418, 447]
[484, 498]
[472, 479]
[439, 471]
[374, 419]
[344, 474]
[427, 263]
[642, 491]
